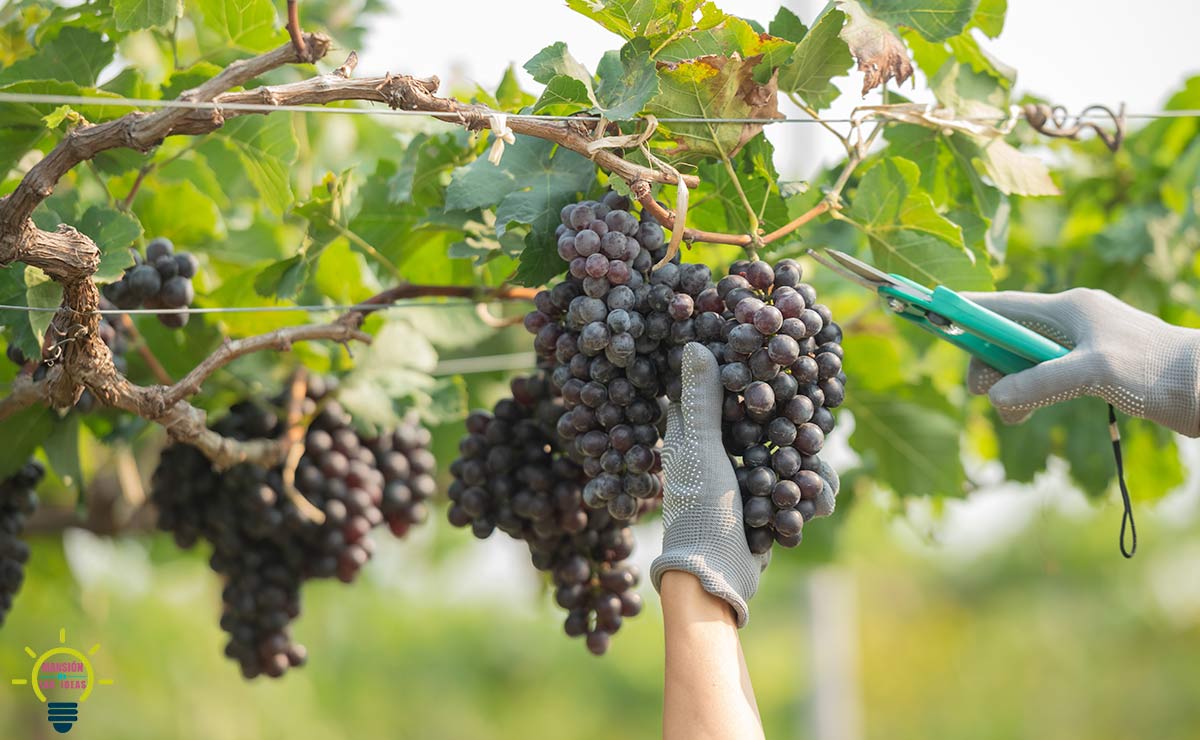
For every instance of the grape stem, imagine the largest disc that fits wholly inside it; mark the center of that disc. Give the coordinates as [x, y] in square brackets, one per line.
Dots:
[293, 440]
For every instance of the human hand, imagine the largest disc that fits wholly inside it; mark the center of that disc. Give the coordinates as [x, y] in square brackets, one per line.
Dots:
[1137, 362]
[703, 531]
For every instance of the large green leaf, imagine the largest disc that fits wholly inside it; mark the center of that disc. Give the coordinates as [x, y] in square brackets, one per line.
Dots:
[910, 441]
[532, 183]
[179, 211]
[245, 24]
[936, 20]
[654, 19]
[907, 235]
[75, 55]
[731, 36]
[392, 377]
[989, 17]
[820, 55]
[626, 80]
[114, 232]
[132, 15]
[539, 260]
[710, 87]
[266, 147]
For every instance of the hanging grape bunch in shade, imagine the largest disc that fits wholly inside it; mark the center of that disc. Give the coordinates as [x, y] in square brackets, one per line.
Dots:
[17, 503]
[162, 280]
[780, 355]
[263, 545]
[607, 330]
[514, 474]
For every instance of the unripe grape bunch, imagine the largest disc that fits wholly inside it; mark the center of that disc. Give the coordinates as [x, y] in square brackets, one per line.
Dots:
[514, 474]
[17, 503]
[607, 329]
[162, 280]
[263, 544]
[780, 358]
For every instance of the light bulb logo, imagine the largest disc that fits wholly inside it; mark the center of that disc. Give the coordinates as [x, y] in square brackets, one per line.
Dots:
[66, 675]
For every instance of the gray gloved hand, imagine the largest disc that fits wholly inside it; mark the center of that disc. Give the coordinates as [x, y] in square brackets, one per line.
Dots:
[1137, 362]
[703, 532]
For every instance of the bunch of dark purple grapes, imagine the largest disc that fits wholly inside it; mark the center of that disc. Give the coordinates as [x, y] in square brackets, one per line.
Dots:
[781, 364]
[515, 474]
[607, 329]
[162, 280]
[263, 544]
[17, 502]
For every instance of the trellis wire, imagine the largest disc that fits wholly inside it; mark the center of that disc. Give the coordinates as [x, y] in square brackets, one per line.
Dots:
[121, 102]
[339, 308]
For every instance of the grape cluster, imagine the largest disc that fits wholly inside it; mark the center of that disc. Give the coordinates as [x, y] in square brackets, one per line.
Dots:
[608, 328]
[162, 280]
[515, 473]
[780, 355]
[17, 502]
[263, 544]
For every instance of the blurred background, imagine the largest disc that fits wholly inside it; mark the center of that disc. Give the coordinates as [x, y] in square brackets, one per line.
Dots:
[1010, 614]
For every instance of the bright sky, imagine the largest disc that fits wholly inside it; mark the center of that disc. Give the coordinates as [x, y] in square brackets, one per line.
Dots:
[1075, 52]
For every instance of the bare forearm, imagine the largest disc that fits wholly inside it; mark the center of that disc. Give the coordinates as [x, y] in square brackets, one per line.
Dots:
[707, 688]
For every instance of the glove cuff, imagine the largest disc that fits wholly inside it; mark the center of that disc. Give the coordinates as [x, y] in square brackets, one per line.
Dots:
[1174, 385]
[721, 560]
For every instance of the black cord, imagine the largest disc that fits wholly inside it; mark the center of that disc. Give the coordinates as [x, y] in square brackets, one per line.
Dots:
[1127, 516]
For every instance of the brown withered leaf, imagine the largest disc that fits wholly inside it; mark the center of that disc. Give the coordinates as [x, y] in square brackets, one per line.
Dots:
[880, 53]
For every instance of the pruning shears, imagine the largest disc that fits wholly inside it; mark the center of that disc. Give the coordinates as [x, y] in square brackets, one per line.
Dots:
[999, 342]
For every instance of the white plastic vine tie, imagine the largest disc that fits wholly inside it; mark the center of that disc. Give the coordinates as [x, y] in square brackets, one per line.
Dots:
[502, 135]
[627, 141]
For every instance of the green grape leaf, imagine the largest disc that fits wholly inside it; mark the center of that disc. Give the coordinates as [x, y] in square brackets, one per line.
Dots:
[75, 55]
[390, 377]
[787, 25]
[509, 95]
[245, 24]
[711, 87]
[820, 55]
[114, 232]
[178, 211]
[968, 51]
[654, 19]
[936, 20]
[909, 439]
[532, 183]
[24, 431]
[132, 15]
[907, 234]
[989, 17]
[731, 36]
[555, 60]
[626, 80]
[539, 260]
[564, 96]
[266, 147]
[283, 279]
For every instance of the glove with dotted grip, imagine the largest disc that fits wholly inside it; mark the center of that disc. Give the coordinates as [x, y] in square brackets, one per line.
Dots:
[1137, 362]
[703, 531]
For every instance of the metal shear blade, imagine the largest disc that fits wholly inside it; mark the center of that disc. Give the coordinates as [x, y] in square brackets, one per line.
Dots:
[858, 271]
